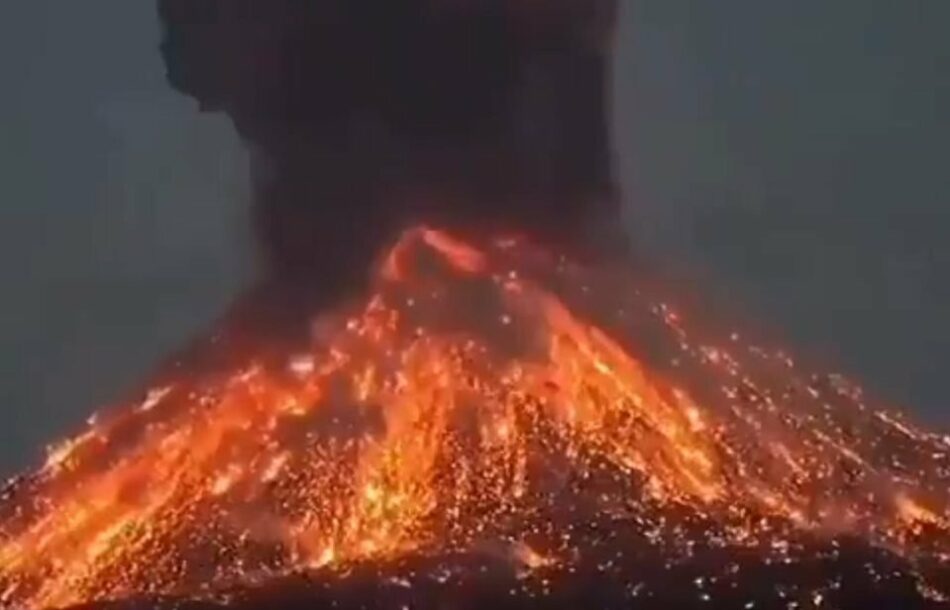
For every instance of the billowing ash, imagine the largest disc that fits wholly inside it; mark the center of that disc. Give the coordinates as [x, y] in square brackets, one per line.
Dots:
[368, 115]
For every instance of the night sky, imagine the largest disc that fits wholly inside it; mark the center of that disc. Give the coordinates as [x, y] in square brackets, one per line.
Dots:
[792, 155]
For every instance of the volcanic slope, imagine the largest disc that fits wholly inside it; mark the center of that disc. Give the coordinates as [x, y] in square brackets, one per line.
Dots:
[492, 425]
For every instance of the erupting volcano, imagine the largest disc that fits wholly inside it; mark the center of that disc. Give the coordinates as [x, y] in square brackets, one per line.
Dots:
[484, 411]
[491, 404]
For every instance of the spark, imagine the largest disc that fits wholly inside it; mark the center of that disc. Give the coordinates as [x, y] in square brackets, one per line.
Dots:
[420, 426]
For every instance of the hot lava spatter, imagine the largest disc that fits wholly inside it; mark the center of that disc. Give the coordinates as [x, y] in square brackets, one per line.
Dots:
[493, 401]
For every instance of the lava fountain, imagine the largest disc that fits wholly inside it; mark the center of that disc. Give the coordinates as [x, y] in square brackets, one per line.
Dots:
[485, 410]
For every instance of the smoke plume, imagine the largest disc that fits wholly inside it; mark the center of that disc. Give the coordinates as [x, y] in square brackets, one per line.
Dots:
[366, 115]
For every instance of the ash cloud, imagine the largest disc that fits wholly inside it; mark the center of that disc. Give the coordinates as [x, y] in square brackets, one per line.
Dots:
[364, 116]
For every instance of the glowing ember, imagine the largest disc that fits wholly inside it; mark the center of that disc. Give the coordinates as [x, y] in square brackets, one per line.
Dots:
[487, 401]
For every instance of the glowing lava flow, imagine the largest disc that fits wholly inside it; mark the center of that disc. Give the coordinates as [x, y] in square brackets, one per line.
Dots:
[482, 399]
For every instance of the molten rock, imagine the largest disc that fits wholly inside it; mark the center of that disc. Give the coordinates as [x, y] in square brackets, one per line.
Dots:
[492, 425]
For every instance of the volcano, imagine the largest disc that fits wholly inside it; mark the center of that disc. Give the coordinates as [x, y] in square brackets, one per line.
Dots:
[449, 390]
[492, 424]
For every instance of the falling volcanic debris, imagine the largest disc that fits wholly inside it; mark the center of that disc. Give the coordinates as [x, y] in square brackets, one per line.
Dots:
[466, 419]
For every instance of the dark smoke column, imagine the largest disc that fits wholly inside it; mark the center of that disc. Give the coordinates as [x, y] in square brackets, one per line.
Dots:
[367, 115]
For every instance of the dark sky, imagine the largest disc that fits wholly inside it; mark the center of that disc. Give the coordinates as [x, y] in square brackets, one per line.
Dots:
[799, 151]
[793, 154]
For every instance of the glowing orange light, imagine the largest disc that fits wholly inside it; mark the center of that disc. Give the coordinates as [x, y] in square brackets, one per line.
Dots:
[470, 402]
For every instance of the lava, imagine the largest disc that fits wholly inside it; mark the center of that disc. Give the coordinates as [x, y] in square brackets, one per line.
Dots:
[485, 399]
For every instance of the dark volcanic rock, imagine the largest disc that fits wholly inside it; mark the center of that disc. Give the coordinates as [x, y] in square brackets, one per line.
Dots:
[841, 573]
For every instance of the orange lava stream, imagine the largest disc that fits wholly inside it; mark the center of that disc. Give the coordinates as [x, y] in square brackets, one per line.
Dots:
[468, 402]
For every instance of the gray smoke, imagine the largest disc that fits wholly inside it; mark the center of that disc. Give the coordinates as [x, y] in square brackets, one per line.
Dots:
[365, 116]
